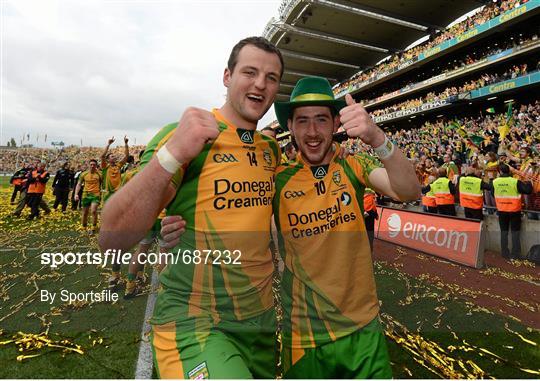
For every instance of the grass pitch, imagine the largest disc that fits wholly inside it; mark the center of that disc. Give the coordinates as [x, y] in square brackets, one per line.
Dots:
[87, 340]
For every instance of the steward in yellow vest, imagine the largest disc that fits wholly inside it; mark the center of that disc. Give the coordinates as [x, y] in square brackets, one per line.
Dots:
[444, 191]
[471, 194]
[507, 192]
[428, 197]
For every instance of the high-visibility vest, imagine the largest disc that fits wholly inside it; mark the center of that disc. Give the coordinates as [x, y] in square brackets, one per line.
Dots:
[37, 186]
[428, 200]
[369, 200]
[507, 197]
[470, 192]
[441, 188]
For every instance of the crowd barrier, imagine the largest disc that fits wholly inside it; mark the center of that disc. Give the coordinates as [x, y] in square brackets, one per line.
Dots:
[452, 238]
[490, 234]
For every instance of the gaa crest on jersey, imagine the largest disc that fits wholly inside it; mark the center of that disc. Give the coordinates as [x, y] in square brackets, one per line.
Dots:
[267, 157]
[336, 176]
[246, 136]
[319, 171]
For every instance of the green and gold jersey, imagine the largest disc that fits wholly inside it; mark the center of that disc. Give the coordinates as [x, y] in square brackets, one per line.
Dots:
[91, 182]
[225, 195]
[112, 178]
[328, 287]
[128, 175]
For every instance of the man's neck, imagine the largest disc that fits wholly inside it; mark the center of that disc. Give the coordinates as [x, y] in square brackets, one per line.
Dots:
[232, 117]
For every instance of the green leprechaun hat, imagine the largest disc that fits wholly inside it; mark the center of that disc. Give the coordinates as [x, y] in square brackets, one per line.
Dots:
[309, 91]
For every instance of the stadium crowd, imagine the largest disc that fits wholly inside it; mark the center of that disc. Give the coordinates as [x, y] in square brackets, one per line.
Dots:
[510, 72]
[476, 143]
[77, 157]
[447, 67]
[486, 13]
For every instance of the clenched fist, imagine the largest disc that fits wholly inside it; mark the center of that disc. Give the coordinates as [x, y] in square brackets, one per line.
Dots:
[196, 128]
[358, 123]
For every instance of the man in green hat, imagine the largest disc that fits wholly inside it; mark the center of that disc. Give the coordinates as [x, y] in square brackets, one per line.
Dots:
[331, 327]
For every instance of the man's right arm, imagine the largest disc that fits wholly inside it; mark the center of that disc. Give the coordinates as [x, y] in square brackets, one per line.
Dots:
[132, 211]
[104, 154]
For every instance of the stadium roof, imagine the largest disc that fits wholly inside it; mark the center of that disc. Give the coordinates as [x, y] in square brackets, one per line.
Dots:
[337, 39]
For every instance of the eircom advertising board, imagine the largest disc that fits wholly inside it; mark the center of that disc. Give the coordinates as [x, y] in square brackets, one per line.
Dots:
[451, 238]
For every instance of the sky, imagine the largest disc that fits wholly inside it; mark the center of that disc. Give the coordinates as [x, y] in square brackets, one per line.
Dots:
[88, 70]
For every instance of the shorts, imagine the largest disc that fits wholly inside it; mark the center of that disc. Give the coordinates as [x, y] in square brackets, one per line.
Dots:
[154, 234]
[229, 349]
[89, 199]
[362, 354]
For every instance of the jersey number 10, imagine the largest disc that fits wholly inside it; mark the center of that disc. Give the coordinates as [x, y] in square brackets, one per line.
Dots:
[320, 187]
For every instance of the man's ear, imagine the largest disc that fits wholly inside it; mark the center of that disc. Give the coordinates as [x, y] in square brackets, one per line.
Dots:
[289, 126]
[226, 77]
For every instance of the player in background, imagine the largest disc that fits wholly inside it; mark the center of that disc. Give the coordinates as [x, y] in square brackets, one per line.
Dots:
[111, 169]
[91, 181]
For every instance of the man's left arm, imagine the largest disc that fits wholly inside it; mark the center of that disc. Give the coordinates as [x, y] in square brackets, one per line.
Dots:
[397, 179]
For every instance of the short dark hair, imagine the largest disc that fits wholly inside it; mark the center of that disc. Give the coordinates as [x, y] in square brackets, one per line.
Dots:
[259, 42]
[92, 160]
[504, 169]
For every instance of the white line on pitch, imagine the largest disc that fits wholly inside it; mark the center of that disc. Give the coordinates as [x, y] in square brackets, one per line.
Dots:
[144, 361]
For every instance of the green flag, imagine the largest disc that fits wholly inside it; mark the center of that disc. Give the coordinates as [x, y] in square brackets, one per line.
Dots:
[491, 110]
[505, 126]
[509, 115]
[454, 125]
[476, 139]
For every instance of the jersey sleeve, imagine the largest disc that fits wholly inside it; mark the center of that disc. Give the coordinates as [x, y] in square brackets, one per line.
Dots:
[81, 178]
[155, 144]
[364, 165]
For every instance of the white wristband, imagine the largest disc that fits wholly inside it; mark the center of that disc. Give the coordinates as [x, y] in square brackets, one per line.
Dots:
[385, 150]
[167, 160]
